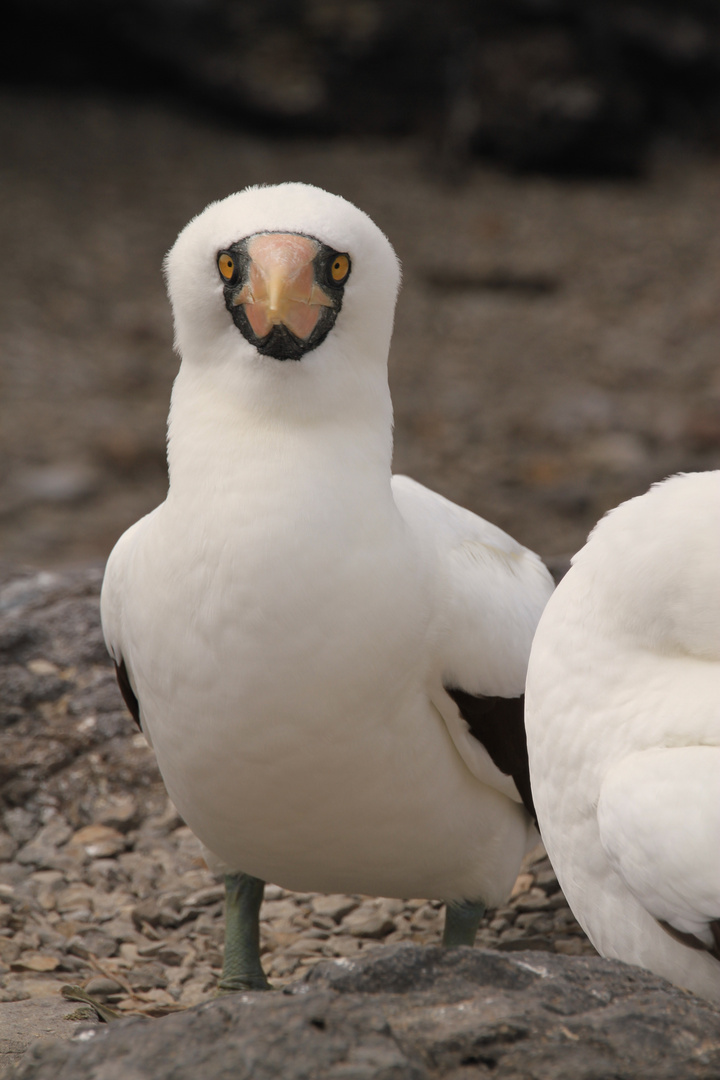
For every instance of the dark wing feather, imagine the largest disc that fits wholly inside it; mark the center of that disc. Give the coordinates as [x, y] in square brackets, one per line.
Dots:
[127, 691]
[691, 940]
[499, 724]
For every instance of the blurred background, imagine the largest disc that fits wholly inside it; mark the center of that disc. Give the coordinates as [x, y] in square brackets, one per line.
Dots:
[547, 170]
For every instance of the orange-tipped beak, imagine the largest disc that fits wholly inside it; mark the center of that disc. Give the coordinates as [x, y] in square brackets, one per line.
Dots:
[281, 286]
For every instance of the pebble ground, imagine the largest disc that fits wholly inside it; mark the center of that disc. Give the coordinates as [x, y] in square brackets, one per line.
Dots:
[127, 909]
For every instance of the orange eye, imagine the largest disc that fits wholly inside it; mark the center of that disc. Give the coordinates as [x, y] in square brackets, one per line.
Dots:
[339, 269]
[227, 266]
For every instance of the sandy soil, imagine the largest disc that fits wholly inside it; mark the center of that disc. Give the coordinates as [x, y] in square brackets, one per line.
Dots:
[556, 342]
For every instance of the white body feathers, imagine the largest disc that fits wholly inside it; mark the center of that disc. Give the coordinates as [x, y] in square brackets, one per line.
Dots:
[623, 722]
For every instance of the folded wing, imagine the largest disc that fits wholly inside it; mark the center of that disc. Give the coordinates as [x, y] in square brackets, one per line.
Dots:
[659, 820]
[490, 593]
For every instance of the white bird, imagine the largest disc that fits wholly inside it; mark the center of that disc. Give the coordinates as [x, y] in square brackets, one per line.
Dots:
[298, 632]
[623, 725]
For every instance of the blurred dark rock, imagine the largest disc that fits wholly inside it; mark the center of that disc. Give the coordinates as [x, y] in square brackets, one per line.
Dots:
[569, 85]
[56, 679]
[413, 1013]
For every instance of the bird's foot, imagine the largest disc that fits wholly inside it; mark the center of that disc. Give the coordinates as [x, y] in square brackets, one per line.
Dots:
[233, 984]
[462, 918]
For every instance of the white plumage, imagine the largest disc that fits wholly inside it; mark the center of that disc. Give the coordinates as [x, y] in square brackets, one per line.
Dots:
[623, 724]
[289, 617]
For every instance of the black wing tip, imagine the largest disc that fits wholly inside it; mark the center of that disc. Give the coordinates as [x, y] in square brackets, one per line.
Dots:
[127, 691]
[499, 724]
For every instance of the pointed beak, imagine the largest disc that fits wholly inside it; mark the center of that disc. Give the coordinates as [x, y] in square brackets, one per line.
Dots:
[281, 286]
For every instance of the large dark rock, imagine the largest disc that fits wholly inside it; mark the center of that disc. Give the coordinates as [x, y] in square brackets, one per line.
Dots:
[411, 1013]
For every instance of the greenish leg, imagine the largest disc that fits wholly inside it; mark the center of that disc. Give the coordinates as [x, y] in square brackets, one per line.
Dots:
[242, 969]
[462, 918]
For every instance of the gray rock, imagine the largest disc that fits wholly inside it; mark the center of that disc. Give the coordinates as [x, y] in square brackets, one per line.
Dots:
[411, 1013]
[43, 846]
[36, 1019]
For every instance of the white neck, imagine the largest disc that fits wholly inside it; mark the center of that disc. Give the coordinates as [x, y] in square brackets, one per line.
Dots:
[271, 425]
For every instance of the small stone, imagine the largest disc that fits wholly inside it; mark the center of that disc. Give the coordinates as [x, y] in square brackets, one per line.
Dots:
[44, 845]
[128, 954]
[150, 950]
[21, 824]
[531, 901]
[368, 925]
[121, 929]
[511, 934]
[274, 892]
[203, 897]
[77, 947]
[279, 909]
[547, 880]
[9, 950]
[42, 667]
[305, 946]
[523, 884]
[117, 811]
[50, 938]
[101, 986]
[99, 841]
[334, 906]
[46, 897]
[147, 977]
[390, 907]
[280, 966]
[171, 956]
[324, 922]
[425, 918]
[76, 897]
[71, 963]
[146, 913]
[106, 872]
[168, 820]
[35, 962]
[8, 846]
[345, 946]
[99, 944]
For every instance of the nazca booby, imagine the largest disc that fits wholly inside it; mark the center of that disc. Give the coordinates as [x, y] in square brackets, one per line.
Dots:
[299, 633]
[623, 727]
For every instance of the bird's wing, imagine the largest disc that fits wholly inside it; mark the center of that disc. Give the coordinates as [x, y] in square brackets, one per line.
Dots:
[111, 614]
[490, 593]
[659, 820]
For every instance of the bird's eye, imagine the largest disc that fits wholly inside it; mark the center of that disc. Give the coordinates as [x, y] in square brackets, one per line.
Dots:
[339, 269]
[228, 267]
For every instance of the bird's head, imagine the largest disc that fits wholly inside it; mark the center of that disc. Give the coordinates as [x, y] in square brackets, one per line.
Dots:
[283, 273]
